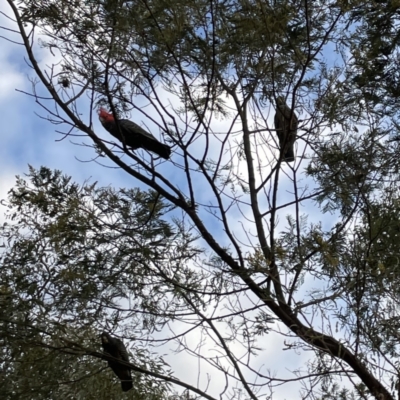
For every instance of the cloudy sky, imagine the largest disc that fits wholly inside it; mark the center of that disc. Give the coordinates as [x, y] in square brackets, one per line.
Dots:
[29, 139]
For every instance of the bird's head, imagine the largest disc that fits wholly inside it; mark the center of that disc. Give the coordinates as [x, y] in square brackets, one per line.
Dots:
[105, 116]
[105, 338]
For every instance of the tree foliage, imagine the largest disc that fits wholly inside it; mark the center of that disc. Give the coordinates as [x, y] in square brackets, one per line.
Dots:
[79, 260]
[303, 255]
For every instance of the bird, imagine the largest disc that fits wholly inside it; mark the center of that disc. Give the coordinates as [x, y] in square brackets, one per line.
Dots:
[65, 82]
[116, 348]
[286, 123]
[132, 134]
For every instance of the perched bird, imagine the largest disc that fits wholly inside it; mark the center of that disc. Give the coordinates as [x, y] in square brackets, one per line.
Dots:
[65, 82]
[116, 348]
[132, 134]
[286, 124]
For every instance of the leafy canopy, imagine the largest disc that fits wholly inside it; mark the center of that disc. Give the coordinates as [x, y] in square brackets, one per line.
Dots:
[301, 256]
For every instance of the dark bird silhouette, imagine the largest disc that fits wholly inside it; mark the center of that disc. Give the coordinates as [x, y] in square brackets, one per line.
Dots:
[132, 134]
[116, 348]
[286, 124]
[65, 82]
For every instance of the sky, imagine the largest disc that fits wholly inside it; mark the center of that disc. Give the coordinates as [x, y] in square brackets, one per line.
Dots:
[29, 139]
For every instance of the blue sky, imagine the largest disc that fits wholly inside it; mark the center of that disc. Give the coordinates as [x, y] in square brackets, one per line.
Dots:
[28, 139]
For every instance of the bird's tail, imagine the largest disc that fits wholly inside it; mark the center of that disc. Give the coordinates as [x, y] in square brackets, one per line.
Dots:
[161, 149]
[126, 385]
[289, 155]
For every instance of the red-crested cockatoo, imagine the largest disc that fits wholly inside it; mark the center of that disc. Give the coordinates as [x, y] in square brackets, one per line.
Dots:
[132, 134]
[116, 348]
[286, 124]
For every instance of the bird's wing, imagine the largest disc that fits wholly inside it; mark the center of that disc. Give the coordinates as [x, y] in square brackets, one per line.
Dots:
[280, 125]
[291, 118]
[119, 352]
[123, 353]
[129, 127]
[135, 137]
